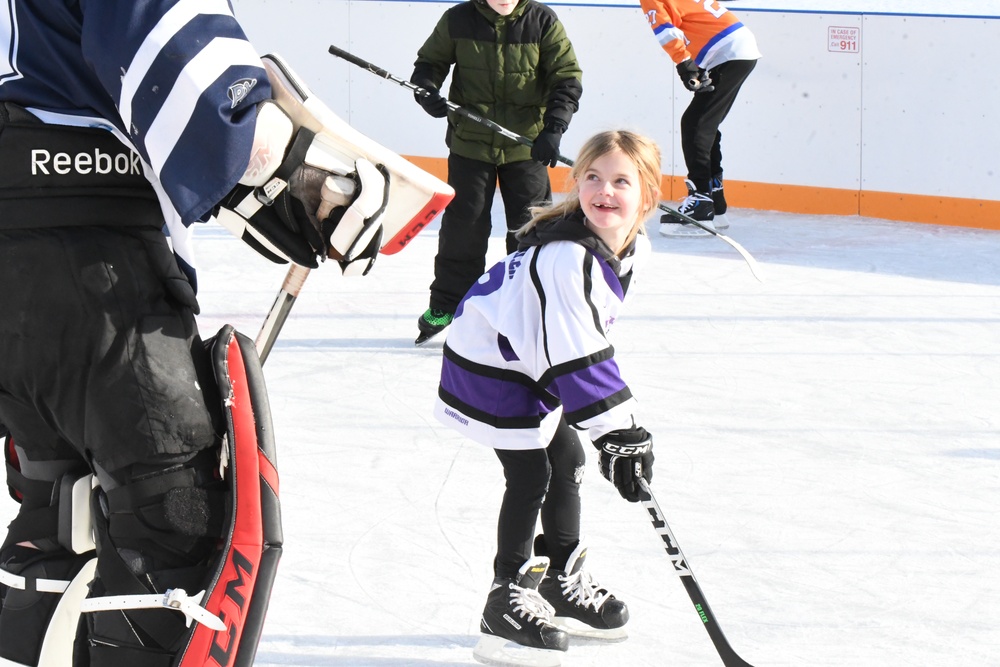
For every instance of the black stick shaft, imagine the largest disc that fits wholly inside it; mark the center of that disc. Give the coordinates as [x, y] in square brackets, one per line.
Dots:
[726, 652]
[476, 118]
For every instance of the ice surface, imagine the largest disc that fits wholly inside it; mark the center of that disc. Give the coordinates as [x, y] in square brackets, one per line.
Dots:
[828, 454]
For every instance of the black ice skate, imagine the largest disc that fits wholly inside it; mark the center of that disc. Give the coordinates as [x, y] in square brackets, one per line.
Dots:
[431, 323]
[516, 624]
[719, 202]
[698, 206]
[583, 607]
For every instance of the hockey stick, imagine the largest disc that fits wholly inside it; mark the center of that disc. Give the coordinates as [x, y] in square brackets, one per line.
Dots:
[499, 129]
[726, 652]
[276, 317]
[496, 127]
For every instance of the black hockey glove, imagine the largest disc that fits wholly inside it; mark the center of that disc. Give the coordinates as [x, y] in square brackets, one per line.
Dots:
[694, 78]
[626, 455]
[431, 99]
[545, 148]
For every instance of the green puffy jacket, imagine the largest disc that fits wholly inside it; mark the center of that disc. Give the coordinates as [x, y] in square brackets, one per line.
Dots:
[519, 71]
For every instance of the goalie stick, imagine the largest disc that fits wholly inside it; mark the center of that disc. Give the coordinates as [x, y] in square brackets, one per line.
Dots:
[659, 521]
[283, 303]
[496, 127]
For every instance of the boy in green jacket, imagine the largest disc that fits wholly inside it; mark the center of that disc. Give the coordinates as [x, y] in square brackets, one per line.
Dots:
[514, 65]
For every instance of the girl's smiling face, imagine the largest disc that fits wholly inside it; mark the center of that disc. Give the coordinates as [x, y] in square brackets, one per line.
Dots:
[611, 198]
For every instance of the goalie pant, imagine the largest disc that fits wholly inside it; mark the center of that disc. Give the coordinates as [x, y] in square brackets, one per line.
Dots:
[105, 374]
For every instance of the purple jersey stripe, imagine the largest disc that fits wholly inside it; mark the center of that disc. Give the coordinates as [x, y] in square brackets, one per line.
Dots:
[587, 386]
[501, 398]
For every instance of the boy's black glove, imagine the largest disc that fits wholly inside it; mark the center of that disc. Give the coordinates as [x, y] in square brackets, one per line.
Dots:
[545, 148]
[432, 102]
[694, 78]
[626, 456]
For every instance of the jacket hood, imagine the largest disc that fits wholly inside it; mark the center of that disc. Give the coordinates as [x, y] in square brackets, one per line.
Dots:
[569, 228]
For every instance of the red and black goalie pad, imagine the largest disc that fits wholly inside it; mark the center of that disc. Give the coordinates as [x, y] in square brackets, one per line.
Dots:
[240, 588]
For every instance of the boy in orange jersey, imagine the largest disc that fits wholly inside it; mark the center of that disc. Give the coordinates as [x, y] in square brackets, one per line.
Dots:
[714, 53]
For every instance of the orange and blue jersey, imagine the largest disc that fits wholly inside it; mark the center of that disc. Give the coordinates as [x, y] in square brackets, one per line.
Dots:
[702, 30]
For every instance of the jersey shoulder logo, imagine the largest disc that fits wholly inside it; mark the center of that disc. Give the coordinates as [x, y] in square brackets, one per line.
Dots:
[239, 90]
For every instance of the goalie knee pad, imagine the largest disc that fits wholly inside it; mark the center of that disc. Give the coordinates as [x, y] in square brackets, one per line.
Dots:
[41, 594]
[47, 559]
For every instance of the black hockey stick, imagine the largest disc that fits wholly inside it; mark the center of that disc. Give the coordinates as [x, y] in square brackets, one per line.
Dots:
[496, 127]
[276, 317]
[499, 129]
[726, 652]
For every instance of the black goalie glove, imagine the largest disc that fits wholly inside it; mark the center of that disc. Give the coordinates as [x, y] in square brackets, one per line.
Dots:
[301, 201]
[626, 457]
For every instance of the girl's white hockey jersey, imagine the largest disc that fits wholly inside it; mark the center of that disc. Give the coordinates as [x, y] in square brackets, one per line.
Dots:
[529, 342]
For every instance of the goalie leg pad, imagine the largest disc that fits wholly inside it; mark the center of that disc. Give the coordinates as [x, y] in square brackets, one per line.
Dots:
[157, 525]
[222, 599]
[241, 584]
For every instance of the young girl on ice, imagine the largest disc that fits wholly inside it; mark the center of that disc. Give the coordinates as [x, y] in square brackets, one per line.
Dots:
[527, 364]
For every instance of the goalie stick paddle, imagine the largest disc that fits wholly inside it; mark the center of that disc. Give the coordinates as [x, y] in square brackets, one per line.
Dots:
[276, 317]
[514, 136]
[659, 521]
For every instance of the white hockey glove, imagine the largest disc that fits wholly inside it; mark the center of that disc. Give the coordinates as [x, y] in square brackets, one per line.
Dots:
[300, 200]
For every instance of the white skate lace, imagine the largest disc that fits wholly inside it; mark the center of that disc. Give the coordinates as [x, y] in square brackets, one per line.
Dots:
[529, 603]
[581, 587]
[690, 202]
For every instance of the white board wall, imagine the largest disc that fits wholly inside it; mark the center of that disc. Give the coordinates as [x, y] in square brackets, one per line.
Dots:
[910, 109]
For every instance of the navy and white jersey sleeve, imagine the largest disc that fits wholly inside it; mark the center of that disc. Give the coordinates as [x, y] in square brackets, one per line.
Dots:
[178, 78]
[529, 344]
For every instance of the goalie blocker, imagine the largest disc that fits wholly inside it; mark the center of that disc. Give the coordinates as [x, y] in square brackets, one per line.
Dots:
[316, 188]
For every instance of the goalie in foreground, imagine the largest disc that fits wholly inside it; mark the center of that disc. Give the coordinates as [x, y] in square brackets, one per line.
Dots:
[149, 532]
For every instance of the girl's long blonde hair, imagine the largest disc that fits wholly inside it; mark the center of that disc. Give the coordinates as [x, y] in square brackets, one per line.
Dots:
[643, 151]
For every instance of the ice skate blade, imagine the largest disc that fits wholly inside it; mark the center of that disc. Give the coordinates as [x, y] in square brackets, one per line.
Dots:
[431, 340]
[493, 650]
[674, 230]
[720, 222]
[580, 631]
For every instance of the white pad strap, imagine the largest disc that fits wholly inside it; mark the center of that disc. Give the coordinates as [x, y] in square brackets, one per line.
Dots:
[12, 580]
[360, 221]
[174, 598]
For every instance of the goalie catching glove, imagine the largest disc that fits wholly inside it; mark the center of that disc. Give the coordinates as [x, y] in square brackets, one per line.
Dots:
[299, 199]
[626, 457]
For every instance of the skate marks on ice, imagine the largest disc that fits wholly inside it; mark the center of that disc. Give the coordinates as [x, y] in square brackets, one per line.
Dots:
[374, 650]
[852, 243]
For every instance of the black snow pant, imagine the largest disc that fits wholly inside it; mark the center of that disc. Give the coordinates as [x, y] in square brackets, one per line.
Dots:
[102, 370]
[467, 223]
[545, 481]
[701, 140]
